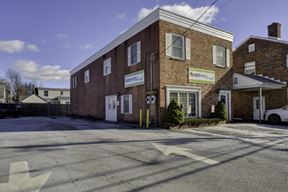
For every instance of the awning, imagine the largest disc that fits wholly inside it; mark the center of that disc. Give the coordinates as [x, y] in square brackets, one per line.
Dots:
[243, 82]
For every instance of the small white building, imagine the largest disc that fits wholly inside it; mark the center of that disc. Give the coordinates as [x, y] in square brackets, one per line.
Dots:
[34, 99]
[54, 95]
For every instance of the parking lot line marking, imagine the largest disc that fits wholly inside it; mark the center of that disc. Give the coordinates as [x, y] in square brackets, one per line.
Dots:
[168, 150]
[20, 180]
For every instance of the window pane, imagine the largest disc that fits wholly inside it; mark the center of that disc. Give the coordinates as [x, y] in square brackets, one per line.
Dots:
[220, 55]
[177, 46]
[134, 53]
[183, 103]
[192, 105]
[177, 52]
[177, 41]
[126, 103]
[174, 96]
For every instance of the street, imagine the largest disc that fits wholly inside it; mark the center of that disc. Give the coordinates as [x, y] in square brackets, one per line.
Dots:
[74, 155]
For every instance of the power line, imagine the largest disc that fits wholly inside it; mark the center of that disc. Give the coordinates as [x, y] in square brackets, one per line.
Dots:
[195, 21]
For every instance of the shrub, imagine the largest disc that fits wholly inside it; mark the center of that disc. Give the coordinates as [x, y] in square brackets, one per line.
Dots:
[174, 113]
[221, 111]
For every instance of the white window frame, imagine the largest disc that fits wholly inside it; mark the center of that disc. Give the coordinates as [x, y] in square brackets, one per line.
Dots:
[186, 89]
[287, 60]
[74, 82]
[87, 76]
[250, 66]
[107, 65]
[173, 45]
[226, 56]
[129, 53]
[251, 48]
[130, 100]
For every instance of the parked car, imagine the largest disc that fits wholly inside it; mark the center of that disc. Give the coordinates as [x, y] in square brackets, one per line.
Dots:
[10, 110]
[276, 116]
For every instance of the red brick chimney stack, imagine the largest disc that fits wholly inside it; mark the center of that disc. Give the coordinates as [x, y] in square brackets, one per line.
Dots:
[274, 30]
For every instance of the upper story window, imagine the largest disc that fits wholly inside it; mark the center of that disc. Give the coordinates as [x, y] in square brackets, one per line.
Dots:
[107, 66]
[235, 80]
[250, 68]
[251, 48]
[46, 93]
[134, 53]
[86, 76]
[177, 46]
[61, 93]
[287, 60]
[74, 82]
[221, 56]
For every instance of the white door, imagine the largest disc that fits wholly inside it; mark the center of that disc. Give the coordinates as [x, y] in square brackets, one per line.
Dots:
[111, 108]
[256, 107]
[225, 97]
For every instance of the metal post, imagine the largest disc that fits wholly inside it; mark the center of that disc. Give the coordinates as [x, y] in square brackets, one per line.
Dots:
[260, 105]
[140, 118]
[147, 118]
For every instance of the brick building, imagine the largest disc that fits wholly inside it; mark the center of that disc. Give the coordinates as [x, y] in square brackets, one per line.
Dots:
[261, 71]
[158, 59]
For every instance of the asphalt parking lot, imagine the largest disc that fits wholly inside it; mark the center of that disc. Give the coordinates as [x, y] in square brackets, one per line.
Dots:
[63, 154]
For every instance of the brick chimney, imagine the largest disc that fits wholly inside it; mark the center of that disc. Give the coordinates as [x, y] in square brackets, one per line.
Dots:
[274, 30]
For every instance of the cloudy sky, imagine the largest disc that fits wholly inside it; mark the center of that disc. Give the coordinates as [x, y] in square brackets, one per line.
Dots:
[44, 40]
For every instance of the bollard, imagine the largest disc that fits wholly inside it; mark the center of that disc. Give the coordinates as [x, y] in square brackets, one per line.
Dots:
[140, 118]
[147, 118]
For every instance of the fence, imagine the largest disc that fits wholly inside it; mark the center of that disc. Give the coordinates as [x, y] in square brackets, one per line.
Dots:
[46, 109]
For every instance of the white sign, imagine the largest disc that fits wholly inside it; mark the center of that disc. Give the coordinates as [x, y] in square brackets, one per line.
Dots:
[201, 76]
[134, 79]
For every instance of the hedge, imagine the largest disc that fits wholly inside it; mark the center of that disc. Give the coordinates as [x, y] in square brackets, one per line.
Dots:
[197, 122]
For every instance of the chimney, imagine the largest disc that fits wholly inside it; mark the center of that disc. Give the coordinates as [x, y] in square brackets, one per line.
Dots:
[274, 30]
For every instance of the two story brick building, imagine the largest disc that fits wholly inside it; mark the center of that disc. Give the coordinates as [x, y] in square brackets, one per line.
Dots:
[164, 56]
[261, 74]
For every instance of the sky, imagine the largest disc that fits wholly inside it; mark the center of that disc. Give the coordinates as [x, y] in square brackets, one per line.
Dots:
[44, 39]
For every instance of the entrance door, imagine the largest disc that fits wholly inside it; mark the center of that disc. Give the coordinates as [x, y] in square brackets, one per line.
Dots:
[256, 107]
[111, 108]
[225, 97]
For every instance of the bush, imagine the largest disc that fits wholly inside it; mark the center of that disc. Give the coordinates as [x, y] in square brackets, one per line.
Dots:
[174, 114]
[221, 111]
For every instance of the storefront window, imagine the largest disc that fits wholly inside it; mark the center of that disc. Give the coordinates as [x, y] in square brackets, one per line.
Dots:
[188, 102]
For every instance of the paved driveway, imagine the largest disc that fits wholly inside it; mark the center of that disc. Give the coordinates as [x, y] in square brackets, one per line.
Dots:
[74, 155]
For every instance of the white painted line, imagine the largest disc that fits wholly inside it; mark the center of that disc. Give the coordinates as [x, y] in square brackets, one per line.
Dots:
[168, 150]
[20, 180]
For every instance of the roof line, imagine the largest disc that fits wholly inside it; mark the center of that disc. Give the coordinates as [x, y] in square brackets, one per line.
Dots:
[156, 15]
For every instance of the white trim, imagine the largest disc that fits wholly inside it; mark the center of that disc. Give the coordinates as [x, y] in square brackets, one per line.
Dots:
[261, 38]
[227, 93]
[158, 14]
[130, 100]
[186, 89]
[87, 74]
[251, 48]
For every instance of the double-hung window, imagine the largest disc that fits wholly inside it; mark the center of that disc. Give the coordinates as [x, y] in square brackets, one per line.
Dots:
[126, 104]
[134, 53]
[251, 48]
[177, 46]
[86, 76]
[250, 68]
[221, 56]
[46, 93]
[74, 82]
[107, 67]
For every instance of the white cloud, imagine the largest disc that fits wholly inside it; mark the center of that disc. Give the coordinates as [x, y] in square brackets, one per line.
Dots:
[121, 17]
[12, 46]
[87, 46]
[33, 71]
[63, 36]
[32, 47]
[185, 10]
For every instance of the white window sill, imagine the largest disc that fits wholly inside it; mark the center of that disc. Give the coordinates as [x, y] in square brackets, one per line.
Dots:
[177, 58]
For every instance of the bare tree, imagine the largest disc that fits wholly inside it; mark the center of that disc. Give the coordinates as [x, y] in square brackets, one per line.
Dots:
[14, 80]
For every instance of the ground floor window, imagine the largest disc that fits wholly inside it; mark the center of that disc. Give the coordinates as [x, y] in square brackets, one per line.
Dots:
[126, 104]
[187, 100]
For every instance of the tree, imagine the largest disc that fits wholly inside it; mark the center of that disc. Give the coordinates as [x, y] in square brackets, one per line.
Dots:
[174, 113]
[221, 111]
[14, 81]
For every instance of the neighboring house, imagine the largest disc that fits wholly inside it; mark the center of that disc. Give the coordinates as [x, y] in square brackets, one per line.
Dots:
[34, 99]
[158, 59]
[261, 71]
[54, 95]
[3, 92]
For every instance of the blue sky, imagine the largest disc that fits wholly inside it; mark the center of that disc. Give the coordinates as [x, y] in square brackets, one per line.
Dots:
[45, 39]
